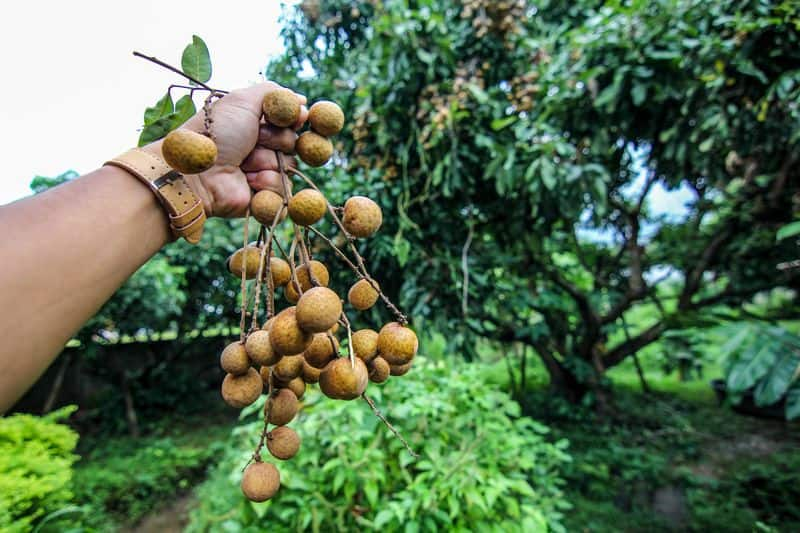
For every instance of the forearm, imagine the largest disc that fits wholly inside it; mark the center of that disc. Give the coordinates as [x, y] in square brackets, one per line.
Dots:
[64, 253]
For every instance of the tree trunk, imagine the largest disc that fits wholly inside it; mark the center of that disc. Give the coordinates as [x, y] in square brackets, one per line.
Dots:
[57, 383]
[130, 410]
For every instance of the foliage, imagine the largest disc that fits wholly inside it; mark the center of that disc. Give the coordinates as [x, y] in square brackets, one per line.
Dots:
[36, 457]
[765, 359]
[125, 478]
[481, 467]
[522, 159]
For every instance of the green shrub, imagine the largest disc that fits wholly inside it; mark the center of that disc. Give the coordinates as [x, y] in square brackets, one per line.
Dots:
[126, 478]
[36, 457]
[481, 466]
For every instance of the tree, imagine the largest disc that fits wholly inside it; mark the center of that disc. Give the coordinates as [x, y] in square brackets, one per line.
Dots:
[521, 146]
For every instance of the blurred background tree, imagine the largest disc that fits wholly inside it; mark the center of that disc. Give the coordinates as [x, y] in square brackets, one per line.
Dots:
[522, 147]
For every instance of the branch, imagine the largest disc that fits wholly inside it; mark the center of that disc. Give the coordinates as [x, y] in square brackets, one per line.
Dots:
[634, 344]
[388, 424]
[179, 72]
[693, 278]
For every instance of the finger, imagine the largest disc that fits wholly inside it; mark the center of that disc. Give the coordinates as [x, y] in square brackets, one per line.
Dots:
[269, 180]
[302, 118]
[301, 98]
[251, 98]
[260, 159]
[275, 138]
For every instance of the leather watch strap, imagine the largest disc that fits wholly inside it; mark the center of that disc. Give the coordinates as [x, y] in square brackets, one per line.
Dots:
[185, 209]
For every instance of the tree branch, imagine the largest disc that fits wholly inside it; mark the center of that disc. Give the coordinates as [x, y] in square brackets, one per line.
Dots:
[633, 344]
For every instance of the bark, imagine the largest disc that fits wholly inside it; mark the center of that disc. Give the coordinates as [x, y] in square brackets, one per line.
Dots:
[57, 384]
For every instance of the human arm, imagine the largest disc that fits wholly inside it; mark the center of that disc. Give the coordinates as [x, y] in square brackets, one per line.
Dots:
[66, 251]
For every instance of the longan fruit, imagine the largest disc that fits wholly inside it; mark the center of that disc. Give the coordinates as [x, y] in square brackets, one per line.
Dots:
[297, 386]
[281, 107]
[326, 118]
[264, 205]
[397, 344]
[188, 152]
[321, 350]
[234, 359]
[260, 481]
[282, 407]
[362, 295]
[362, 217]
[310, 374]
[241, 391]
[290, 293]
[268, 323]
[318, 309]
[318, 269]
[343, 380]
[280, 271]
[260, 349]
[307, 207]
[249, 257]
[288, 368]
[365, 344]
[335, 328]
[283, 442]
[379, 370]
[314, 149]
[285, 334]
[400, 370]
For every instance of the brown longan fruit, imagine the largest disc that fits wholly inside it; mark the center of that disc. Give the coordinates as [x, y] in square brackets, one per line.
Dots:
[234, 359]
[397, 344]
[362, 295]
[282, 407]
[379, 370]
[362, 217]
[283, 442]
[288, 368]
[188, 152]
[249, 257]
[285, 334]
[318, 309]
[268, 323]
[290, 293]
[280, 271]
[297, 386]
[281, 107]
[365, 344]
[326, 118]
[318, 269]
[260, 349]
[310, 374]
[343, 380]
[321, 350]
[241, 391]
[400, 370]
[314, 149]
[307, 207]
[260, 481]
[264, 205]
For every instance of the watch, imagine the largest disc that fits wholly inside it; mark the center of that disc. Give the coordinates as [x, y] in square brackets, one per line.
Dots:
[183, 206]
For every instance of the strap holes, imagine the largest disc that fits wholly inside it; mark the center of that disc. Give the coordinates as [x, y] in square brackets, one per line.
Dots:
[179, 193]
[185, 202]
[152, 168]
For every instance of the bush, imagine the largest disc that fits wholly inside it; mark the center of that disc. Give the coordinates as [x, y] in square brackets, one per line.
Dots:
[125, 478]
[481, 466]
[36, 457]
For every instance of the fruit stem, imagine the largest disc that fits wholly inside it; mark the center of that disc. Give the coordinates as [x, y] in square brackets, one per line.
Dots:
[244, 275]
[167, 66]
[388, 424]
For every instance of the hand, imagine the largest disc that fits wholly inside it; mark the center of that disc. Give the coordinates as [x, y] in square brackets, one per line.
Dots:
[244, 163]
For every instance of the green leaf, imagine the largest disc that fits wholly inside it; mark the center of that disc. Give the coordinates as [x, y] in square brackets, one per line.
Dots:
[639, 93]
[793, 402]
[162, 108]
[184, 110]
[500, 123]
[777, 381]
[196, 61]
[755, 362]
[157, 129]
[789, 230]
[706, 145]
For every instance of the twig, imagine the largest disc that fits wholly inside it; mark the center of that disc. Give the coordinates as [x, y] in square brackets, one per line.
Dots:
[401, 318]
[388, 424]
[465, 272]
[178, 71]
[244, 274]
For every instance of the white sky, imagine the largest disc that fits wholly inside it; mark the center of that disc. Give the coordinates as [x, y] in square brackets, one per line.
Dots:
[73, 94]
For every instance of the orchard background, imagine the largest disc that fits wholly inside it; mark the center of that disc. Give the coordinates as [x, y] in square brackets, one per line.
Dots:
[590, 213]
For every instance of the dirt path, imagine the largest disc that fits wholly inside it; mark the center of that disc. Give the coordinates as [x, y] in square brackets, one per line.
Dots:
[170, 519]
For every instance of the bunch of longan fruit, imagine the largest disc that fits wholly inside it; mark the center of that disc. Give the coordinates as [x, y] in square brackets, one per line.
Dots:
[299, 345]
